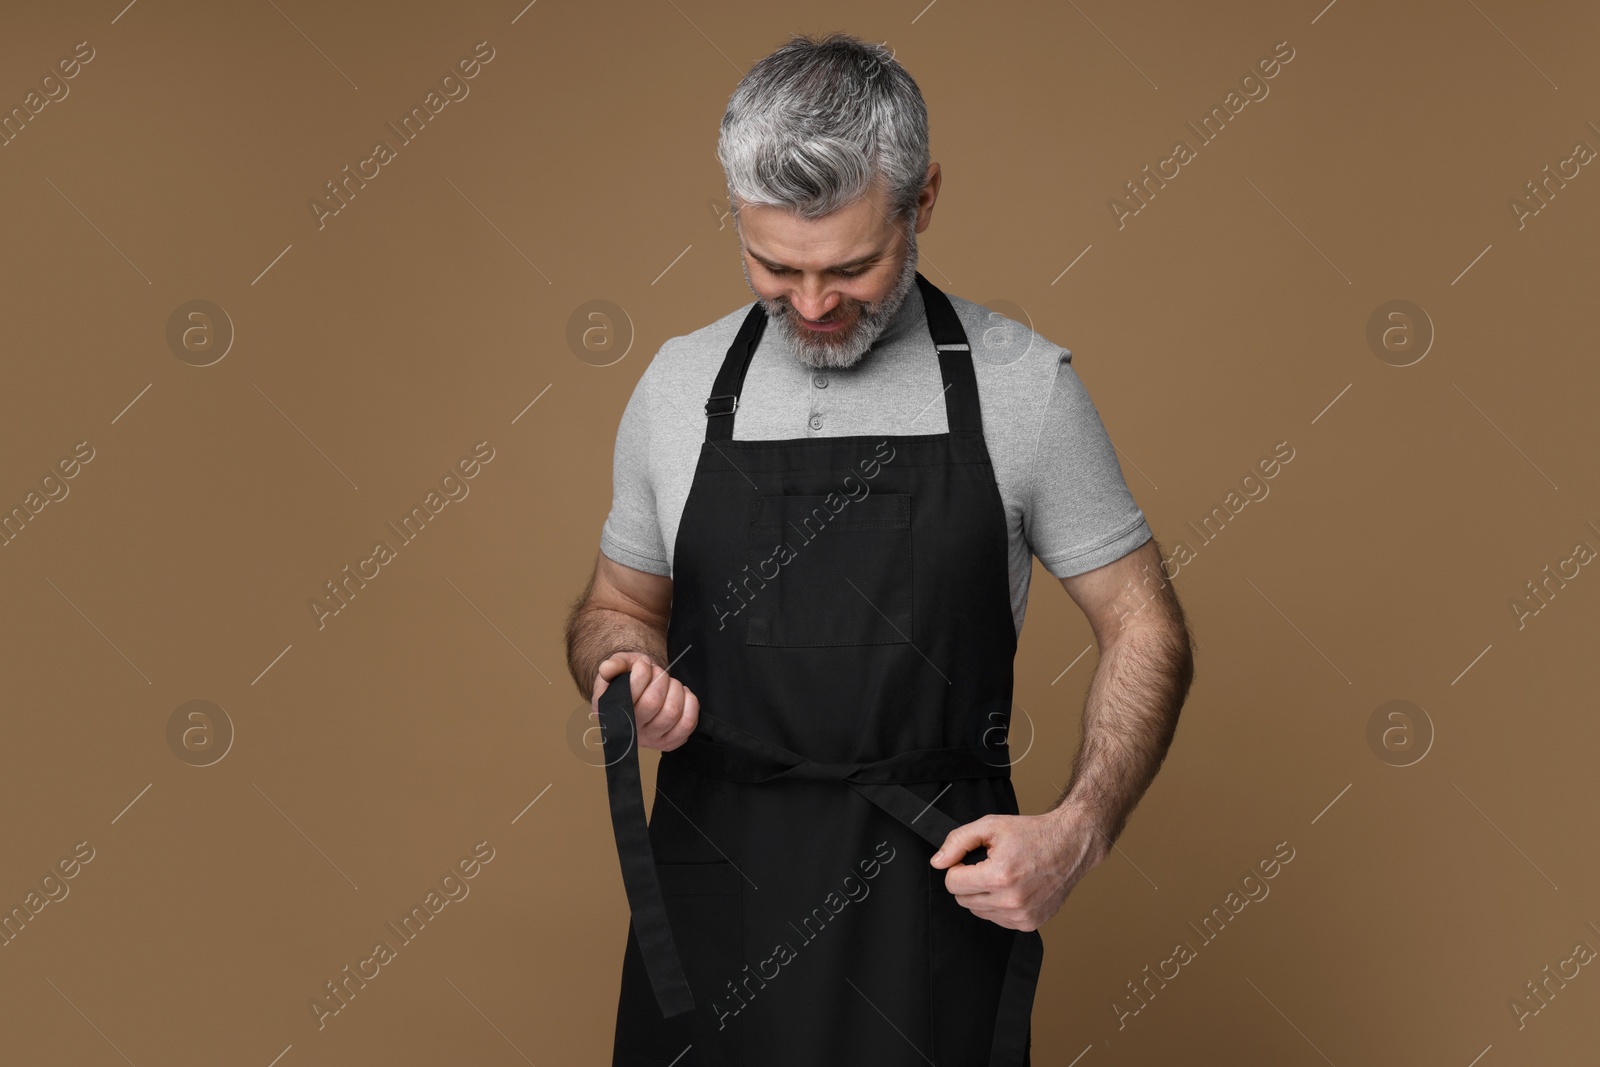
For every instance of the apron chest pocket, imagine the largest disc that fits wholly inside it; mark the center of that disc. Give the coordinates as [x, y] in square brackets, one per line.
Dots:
[829, 570]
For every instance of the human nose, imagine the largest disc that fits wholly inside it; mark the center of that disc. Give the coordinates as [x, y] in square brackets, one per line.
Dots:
[814, 301]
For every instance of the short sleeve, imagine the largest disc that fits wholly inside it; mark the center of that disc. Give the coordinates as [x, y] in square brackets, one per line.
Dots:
[631, 534]
[1080, 514]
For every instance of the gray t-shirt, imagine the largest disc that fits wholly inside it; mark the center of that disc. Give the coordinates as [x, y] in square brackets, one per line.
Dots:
[1064, 494]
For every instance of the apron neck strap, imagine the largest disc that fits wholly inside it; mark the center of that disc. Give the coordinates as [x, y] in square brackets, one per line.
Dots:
[962, 412]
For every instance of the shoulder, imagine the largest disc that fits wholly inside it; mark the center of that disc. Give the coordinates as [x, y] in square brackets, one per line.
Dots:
[714, 337]
[1003, 339]
[689, 362]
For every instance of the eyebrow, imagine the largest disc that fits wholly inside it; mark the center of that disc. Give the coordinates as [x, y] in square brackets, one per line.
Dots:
[770, 265]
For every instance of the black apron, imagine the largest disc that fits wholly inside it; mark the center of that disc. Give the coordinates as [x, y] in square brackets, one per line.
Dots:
[842, 610]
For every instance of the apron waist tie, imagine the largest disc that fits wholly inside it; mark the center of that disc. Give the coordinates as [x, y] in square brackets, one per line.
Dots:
[719, 749]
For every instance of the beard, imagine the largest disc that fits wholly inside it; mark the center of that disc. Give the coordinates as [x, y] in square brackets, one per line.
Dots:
[844, 347]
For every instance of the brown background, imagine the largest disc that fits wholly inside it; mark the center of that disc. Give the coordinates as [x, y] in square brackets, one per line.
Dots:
[369, 755]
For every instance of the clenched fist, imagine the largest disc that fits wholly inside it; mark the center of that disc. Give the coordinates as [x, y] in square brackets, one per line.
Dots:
[665, 711]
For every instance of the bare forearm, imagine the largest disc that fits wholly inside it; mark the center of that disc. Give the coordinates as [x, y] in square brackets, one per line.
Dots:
[1129, 718]
[594, 633]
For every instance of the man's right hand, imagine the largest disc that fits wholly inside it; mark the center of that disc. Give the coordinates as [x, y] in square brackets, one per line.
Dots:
[665, 711]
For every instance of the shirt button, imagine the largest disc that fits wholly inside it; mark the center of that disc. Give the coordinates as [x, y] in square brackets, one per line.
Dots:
[816, 422]
[820, 381]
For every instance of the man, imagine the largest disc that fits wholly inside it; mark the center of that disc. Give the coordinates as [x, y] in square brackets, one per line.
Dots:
[824, 656]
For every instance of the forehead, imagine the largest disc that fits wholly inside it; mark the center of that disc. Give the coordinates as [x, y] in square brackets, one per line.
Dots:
[778, 235]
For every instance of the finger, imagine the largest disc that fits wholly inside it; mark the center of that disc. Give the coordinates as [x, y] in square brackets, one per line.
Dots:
[688, 717]
[668, 734]
[669, 711]
[1011, 918]
[641, 675]
[636, 667]
[609, 670]
[605, 674]
[980, 906]
[972, 880]
[960, 841]
[975, 900]
[651, 710]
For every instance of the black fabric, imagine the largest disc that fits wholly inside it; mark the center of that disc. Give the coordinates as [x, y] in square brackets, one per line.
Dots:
[841, 608]
[639, 878]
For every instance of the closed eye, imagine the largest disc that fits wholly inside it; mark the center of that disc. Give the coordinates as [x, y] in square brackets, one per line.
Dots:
[841, 273]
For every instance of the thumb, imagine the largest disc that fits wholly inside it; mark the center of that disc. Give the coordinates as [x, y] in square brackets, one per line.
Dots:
[959, 842]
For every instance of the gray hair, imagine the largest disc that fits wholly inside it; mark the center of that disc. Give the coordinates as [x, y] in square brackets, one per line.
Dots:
[812, 126]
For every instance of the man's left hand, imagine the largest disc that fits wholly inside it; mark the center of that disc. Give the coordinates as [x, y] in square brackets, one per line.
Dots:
[1033, 863]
